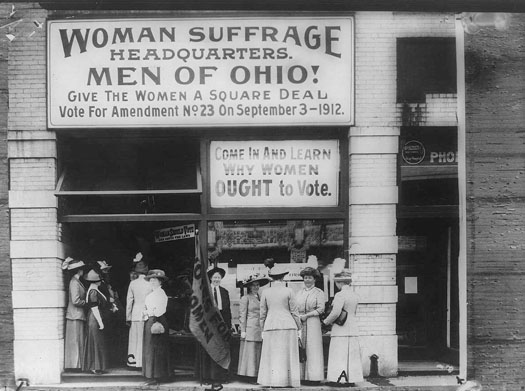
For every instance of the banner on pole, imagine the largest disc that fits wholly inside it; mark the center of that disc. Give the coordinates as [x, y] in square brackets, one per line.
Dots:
[206, 322]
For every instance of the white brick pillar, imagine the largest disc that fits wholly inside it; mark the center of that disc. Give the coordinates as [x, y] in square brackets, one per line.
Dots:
[373, 243]
[35, 248]
[36, 255]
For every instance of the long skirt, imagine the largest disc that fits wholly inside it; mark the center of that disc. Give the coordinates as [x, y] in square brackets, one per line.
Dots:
[136, 334]
[95, 352]
[74, 343]
[280, 359]
[156, 351]
[312, 338]
[344, 356]
[249, 358]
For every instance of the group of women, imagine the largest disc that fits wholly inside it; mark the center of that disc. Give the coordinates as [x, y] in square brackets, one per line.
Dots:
[88, 316]
[274, 323]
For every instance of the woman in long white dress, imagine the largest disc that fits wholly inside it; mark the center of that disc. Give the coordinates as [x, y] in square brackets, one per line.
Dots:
[344, 356]
[250, 325]
[310, 304]
[280, 324]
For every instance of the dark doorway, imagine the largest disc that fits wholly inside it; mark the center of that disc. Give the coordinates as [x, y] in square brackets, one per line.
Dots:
[117, 243]
[427, 311]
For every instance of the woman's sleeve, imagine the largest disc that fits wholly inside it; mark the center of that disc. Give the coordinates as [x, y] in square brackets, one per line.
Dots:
[243, 312]
[78, 295]
[130, 298]
[293, 310]
[337, 306]
[263, 310]
[92, 300]
[318, 303]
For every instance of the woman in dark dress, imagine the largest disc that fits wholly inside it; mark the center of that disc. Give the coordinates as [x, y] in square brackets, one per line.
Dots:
[155, 349]
[205, 367]
[95, 353]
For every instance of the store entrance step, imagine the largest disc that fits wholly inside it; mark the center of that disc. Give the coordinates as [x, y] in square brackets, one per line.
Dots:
[113, 374]
[424, 368]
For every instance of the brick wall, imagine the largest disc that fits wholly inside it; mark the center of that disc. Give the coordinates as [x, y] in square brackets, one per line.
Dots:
[35, 249]
[6, 311]
[495, 118]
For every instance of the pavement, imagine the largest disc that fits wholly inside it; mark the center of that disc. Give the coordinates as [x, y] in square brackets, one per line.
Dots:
[400, 383]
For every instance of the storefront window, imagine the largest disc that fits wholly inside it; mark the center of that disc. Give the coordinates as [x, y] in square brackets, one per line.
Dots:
[241, 247]
[143, 175]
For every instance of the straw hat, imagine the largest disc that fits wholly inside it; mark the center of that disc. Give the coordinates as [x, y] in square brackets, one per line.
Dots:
[262, 280]
[92, 276]
[104, 266]
[277, 272]
[72, 264]
[156, 273]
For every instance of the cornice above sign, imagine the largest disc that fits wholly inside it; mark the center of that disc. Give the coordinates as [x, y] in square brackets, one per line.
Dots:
[456, 6]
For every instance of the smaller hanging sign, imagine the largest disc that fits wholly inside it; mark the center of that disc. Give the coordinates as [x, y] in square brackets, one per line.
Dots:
[175, 233]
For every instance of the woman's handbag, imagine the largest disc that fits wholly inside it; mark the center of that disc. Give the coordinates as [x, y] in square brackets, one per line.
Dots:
[157, 328]
[341, 319]
[302, 351]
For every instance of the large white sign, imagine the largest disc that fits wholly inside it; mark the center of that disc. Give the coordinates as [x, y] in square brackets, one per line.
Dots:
[277, 70]
[290, 173]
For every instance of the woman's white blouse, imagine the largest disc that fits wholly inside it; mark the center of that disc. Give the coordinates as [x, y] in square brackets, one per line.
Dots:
[156, 302]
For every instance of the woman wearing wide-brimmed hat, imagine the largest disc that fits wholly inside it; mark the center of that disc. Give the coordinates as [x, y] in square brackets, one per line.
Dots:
[310, 305]
[96, 353]
[280, 323]
[138, 289]
[155, 352]
[75, 315]
[250, 325]
[345, 352]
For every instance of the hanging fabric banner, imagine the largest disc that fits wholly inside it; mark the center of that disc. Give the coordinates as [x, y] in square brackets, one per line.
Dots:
[206, 322]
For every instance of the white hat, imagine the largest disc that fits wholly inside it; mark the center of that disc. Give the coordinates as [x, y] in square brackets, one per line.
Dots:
[104, 265]
[93, 276]
[72, 264]
[138, 257]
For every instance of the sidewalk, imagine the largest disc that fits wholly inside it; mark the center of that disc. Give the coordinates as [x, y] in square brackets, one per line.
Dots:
[408, 383]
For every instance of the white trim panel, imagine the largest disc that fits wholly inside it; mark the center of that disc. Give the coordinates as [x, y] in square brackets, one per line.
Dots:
[39, 299]
[32, 199]
[374, 144]
[362, 195]
[36, 249]
[373, 245]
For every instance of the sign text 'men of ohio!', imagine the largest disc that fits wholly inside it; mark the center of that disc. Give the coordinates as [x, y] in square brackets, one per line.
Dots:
[200, 72]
